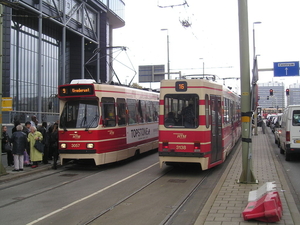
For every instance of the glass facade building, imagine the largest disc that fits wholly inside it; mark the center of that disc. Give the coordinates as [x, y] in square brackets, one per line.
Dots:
[47, 43]
[278, 98]
[294, 94]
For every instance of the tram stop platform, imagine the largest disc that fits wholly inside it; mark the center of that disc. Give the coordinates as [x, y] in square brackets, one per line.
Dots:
[10, 175]
[230, 198]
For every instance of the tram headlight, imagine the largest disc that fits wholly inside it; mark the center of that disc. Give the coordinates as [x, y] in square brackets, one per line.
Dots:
[89, 145]
[63, 145]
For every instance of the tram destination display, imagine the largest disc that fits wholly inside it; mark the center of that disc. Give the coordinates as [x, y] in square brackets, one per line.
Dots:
[75, 90]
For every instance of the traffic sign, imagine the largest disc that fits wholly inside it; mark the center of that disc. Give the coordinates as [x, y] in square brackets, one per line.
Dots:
[284, 69]
[6, 103]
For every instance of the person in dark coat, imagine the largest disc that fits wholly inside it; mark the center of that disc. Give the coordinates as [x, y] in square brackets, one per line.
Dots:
[19, 141]
[6, 141]
[14, 129]
[54, 145]
[26, 130]
[43, 130]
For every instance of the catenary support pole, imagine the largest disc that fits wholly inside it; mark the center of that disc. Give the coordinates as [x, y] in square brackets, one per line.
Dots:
[2, 169]
[247, 174]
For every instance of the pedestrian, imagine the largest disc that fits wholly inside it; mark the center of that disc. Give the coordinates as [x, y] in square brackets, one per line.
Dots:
[14, 129]
[35, 155]
[170, 120]
[49, 131]
[43, 130]
[188, 114]
[34, 122]
[26, 129]
[6, 146]
[54, 144]
[19, 141]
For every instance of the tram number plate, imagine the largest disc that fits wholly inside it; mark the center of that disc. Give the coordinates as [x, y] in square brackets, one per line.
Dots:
[180, 147]
[75, 145]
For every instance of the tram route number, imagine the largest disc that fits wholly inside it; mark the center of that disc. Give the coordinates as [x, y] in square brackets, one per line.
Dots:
[75, 145]
[180, 147]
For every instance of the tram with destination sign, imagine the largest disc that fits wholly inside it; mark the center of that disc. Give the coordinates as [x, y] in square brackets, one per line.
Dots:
[200, 122]
[106, 123]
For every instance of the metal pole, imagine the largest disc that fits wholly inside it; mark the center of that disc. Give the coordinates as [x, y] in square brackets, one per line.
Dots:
[168, 56]
[168, 53]
[247, 175]
[2, 169]
[39, 63]
[255, 113]
[255, 60]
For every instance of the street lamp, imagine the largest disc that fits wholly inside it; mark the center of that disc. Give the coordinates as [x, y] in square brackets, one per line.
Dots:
[167, 52]
[254, 38]
[202, 65]
[255, 75]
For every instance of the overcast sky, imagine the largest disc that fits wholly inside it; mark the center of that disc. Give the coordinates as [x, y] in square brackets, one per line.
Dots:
[212, 38]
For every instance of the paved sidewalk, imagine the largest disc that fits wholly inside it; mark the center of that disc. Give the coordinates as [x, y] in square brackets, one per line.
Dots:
[229, 199]
[10, 175]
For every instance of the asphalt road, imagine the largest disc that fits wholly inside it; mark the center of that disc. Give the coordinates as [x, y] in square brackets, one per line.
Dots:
[130, 192]
[291, 169]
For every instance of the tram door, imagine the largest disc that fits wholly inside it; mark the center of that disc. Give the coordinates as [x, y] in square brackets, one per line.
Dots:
[216, 128]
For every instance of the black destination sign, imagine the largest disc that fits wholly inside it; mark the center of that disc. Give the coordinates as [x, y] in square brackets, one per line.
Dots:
[181, 86]
[76, 90]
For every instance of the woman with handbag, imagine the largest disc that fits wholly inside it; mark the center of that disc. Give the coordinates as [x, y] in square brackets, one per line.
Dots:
[6, 147]
[19, 141]
[35, 155]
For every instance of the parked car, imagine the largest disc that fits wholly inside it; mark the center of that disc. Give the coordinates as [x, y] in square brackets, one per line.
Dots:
[277, 129]
[290, 136]
[269, 119]
[272, 123]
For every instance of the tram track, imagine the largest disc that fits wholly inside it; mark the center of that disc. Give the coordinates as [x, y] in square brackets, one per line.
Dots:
[177, 213]
[44, 190]
[175, 209]
[166, 195]
[124, 199]
[172, 215]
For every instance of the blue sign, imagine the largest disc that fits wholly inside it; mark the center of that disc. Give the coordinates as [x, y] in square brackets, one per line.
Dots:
[284, 69]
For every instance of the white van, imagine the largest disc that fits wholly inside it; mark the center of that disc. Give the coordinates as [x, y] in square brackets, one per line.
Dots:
[290, 131]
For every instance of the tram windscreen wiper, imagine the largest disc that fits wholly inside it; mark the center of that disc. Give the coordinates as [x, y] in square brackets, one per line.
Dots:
[83, 121]
[92, 121]
[63, 123]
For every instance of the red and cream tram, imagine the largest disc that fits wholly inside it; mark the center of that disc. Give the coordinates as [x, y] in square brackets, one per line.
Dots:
[106, 123]
[199, 122]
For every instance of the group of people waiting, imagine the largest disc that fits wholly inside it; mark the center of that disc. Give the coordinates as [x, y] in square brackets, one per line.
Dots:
[21, 145]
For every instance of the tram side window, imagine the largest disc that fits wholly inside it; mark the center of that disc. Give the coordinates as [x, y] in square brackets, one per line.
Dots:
[207, 121]
[226, 110]
[155, 111]
[108, 111]
[121, 109]
[141, 111]
[131, 104]
[149, 111]
[231, 114]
